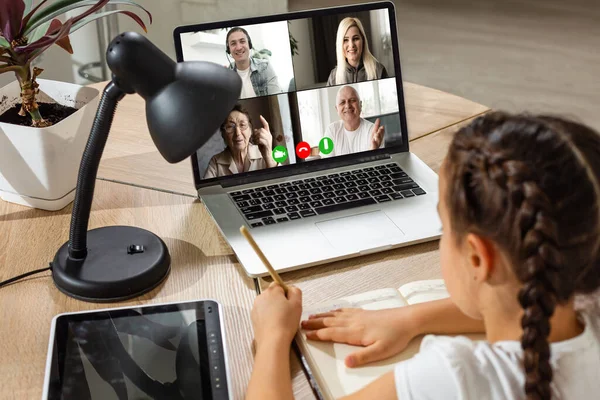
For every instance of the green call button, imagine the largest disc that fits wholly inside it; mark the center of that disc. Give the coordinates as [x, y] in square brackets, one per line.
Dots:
[280, 154]
[326, 145]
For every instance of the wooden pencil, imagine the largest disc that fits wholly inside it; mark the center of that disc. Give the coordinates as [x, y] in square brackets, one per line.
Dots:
[261, 255]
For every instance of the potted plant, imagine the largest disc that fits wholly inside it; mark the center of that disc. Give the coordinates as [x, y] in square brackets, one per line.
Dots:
[44, 125]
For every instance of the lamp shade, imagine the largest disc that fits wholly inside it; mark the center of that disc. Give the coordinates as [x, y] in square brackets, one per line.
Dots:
[185, 102]
[186, 113]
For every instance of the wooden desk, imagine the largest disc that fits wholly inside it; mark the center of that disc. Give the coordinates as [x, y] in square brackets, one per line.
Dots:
[203, 264]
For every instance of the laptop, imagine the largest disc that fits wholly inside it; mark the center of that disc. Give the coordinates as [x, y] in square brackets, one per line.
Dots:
[314, 161]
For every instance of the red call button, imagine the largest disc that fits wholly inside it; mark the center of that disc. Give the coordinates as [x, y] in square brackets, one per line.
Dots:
[303, 150]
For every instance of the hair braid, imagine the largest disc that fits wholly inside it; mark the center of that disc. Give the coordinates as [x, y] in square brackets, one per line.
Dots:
[536, 229]
[529, 185]
[538, 295]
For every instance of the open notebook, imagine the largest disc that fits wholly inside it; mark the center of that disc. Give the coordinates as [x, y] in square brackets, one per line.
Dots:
[325, 360]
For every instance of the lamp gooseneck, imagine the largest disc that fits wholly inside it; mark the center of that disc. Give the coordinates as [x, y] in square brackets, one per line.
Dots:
[86, 178]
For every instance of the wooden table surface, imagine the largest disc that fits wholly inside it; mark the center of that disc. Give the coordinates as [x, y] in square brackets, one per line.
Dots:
[135, 187]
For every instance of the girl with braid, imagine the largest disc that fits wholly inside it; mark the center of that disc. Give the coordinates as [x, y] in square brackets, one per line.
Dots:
[519, 201]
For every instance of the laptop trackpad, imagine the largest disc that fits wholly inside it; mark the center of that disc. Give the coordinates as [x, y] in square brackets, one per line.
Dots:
[362, 231]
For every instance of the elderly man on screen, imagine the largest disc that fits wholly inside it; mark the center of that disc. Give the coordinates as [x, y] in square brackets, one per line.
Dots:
[352, 134]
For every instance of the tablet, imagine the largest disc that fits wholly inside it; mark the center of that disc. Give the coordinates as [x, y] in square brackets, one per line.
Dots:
[162, 351]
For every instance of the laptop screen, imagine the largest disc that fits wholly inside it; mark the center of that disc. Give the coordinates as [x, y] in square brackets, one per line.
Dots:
[316, 86]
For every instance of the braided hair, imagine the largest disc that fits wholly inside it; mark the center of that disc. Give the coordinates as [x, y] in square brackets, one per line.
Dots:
[531, 185]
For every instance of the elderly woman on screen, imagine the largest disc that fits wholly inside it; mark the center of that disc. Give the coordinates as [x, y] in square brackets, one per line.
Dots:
[240, 155]
[355, 63]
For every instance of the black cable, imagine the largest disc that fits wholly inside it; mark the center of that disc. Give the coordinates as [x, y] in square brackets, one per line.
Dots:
[25, 275]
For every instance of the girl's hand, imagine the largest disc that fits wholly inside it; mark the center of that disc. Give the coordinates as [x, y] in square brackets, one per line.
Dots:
[383, 333]
[275, 318]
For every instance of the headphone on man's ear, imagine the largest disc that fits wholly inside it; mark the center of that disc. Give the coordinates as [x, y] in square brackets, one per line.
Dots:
[237, 29]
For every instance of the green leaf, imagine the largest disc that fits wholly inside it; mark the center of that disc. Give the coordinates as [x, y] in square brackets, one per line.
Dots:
[4, 42]
[40, 47]
[59, 6]
[94, 17]
[32, 50]
[41, 30]
[38, 32]
[28, 6]
[74, 4]
[30, 14]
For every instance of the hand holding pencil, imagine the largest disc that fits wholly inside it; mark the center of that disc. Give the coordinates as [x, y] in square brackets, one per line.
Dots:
[277, 310]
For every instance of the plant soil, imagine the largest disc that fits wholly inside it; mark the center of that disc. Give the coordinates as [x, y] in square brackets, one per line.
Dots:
[52, 112]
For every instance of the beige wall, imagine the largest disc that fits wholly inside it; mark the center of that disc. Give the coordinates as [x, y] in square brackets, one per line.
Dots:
[304, 63]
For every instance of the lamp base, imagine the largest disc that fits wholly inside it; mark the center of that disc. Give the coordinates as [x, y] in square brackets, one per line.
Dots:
[122, 262]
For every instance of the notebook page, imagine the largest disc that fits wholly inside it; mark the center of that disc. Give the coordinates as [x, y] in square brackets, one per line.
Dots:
[422, 291]
[355, 301]
[327, 359]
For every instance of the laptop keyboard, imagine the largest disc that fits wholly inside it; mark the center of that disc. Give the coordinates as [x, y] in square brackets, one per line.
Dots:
[324, 194]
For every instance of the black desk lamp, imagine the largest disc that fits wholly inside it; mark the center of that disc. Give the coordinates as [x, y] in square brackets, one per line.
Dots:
[185, 104]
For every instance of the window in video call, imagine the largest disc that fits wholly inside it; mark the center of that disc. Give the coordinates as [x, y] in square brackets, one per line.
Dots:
[312, 88]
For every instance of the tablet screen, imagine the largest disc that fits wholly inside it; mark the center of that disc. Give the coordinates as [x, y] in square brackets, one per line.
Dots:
[155, 352]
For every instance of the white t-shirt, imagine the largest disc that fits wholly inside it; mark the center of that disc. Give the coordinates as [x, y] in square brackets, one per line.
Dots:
[459, 368]
[247, 89]
[348, 142]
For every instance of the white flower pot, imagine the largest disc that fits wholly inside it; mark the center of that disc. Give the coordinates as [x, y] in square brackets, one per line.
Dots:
[39, 166]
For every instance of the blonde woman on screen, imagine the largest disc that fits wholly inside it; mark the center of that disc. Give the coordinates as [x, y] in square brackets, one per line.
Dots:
[355, 63]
